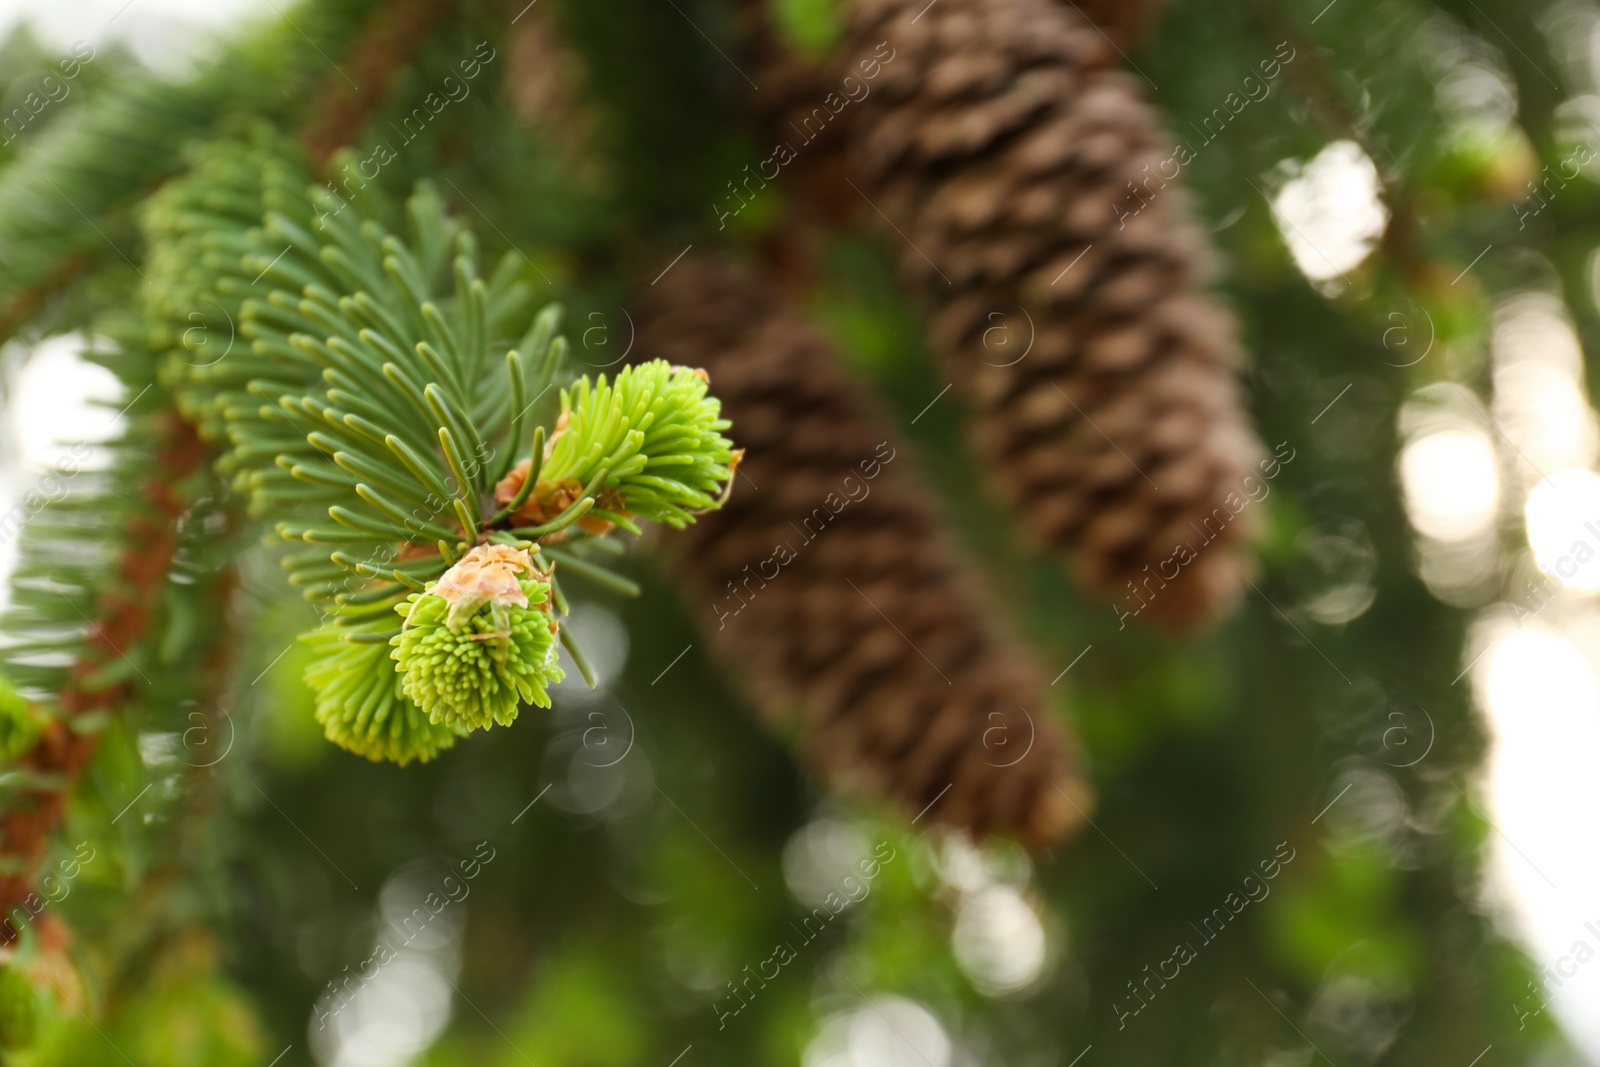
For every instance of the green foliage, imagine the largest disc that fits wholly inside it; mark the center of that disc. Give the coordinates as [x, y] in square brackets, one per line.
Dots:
[68, 546]
[1346, 921]
[364, 388]
[581, 1013]
[194, 1021]
[812, 26]
[1202, 758]
[384, 384]
[198, 229]
[92, 161]
[19, 1010]
[65, 201]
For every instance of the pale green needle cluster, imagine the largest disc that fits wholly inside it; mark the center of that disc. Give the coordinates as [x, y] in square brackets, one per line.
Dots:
[477, 671]
[361, 705]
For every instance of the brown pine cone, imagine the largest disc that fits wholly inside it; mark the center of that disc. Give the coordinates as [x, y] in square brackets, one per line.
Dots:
[833, 590]
[1031, 189]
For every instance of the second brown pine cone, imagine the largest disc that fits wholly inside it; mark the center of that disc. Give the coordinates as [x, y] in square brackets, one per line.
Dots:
[829, 585]
[1030, 193]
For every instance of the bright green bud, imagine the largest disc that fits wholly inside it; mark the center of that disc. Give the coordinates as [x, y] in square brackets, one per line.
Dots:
[657, 433]
[479, 641]
[360, 703]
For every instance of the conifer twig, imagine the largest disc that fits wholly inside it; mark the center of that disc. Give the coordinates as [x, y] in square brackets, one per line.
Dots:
[386, 44]
[144, 935]
[62, 752]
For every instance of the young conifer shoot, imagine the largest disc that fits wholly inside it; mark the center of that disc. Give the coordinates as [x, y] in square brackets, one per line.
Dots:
[395, 412]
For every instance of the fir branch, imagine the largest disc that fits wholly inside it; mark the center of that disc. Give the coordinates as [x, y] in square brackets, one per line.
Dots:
[96, 162]
[162, 910]
[58, 195]
[122, 615]
[368, 389]
[361, 379]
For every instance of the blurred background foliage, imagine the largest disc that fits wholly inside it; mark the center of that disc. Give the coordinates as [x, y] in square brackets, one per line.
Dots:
[652, 843]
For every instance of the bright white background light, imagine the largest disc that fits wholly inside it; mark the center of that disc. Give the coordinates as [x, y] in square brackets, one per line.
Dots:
[1329, 211]
[170, 35]
[998, 940]
[1563, 520]
[1543, 703]
[1452, 483]
[888, 1032]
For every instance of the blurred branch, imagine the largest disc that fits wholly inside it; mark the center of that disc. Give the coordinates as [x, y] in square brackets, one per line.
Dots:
[63, 750]
[151, 926]
[386, 46]
[21, 306]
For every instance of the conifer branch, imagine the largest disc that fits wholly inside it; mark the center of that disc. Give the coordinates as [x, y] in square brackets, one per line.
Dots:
[160, 913]
[352, 384]
[123, 612]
